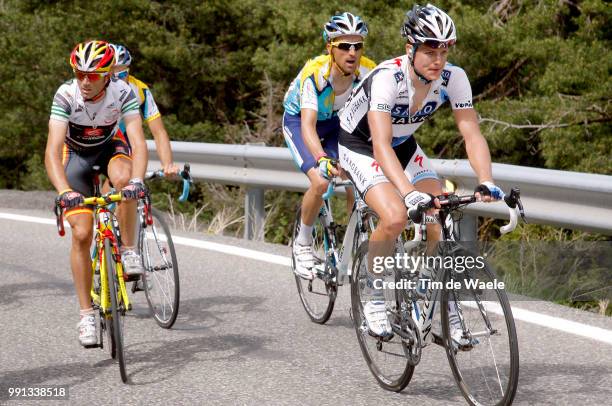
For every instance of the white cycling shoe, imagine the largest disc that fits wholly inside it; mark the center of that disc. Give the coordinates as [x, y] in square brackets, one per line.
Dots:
[304, 261]
[375, 312]
[456, 332]
[87, 330]
[132, 264]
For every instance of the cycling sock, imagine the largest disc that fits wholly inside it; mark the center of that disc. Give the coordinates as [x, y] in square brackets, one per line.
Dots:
[305, 235]
[86, 312]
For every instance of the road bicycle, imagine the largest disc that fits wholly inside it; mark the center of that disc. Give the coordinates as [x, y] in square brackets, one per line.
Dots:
[160, 280]
[108, 292]
[332, 261]
[485, 359]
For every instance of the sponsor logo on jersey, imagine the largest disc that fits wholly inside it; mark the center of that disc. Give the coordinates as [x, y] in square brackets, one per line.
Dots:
[399, 76]
[123, 94]
[383, 107]
[466, 105]
[400, 113]
[93, 133]
[400, 110]
[376, 166]
[359, 99]
[446, 74]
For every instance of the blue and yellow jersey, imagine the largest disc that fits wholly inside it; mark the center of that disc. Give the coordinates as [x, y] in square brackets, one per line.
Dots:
[312, 87]
[148, 108]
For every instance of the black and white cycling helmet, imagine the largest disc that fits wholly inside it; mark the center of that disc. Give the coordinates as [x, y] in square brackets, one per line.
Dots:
[344, 24]
[429, 25]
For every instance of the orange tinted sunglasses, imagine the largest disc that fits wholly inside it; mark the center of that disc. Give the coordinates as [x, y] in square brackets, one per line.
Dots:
[92, 76]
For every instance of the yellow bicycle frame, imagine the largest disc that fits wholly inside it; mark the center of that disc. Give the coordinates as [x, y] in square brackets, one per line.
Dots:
[104, 231]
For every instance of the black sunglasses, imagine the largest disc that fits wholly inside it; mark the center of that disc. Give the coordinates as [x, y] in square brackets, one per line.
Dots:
[432, 43]
[347, 46]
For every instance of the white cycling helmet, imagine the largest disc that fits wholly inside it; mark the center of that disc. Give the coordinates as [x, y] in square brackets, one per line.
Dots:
[429, 25]
[344, 24]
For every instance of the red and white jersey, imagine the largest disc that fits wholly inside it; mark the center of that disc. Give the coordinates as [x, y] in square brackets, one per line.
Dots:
[92, 124]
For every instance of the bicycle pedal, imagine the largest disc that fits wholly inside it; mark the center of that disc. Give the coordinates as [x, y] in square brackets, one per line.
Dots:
[131, 278]
[137, 286]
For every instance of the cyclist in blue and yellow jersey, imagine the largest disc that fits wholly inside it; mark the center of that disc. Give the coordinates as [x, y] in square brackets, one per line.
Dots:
[84, 132]
[310, 122]
[148, 109]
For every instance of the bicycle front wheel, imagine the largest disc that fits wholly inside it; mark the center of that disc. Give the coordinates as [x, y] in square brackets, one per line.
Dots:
[387, 359]
[484, 354]
[318, 295]
[161, 277]
[116, 324]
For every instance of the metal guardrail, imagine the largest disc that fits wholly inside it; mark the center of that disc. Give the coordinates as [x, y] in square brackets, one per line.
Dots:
[559, 198]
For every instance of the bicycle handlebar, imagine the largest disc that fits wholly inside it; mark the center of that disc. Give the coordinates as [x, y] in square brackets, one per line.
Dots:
[185, 174]
[105, 200]
[451, 202]
[333, 184]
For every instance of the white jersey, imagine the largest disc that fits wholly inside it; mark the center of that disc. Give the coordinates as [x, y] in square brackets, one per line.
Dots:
[92, 124]
[388, 88]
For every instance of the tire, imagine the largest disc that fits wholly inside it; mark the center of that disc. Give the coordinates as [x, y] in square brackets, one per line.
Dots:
[317, 296]
[116, 324]
[387, 360]
[161, 276]
[486, 371]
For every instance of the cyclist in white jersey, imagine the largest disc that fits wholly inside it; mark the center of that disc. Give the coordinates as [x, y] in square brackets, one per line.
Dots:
[377, 146]
[83, 132]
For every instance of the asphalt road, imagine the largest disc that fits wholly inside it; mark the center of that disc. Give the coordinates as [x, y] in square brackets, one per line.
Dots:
[242, 337]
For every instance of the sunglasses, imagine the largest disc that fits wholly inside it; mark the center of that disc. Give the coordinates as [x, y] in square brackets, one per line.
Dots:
[92, 76]
[435, 44]
[347, 46]
[122, 74]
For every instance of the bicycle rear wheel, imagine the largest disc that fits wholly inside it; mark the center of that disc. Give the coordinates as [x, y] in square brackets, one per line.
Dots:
[115, 325]
[387, 359]
[161, 277]
[318, 295]
[485, 364]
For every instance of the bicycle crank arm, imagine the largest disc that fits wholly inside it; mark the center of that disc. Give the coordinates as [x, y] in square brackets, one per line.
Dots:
[405, 335]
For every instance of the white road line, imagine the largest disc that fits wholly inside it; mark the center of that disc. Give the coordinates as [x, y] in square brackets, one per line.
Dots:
[556, 323]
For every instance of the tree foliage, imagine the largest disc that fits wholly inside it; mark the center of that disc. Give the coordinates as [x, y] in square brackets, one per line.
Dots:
[540, 70]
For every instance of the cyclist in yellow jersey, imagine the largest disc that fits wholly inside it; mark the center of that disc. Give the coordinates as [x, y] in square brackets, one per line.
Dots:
[310, 122]
[148, 108]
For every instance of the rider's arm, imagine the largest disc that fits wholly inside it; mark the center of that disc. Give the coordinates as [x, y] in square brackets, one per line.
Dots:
[162, 145]
[308, 111]
[133, 127]
[53, 155]
[460, 98]
[309, 132]
[475, 144]
[382, 134]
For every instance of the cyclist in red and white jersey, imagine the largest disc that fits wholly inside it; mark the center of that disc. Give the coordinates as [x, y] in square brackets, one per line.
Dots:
[83, 132]
[377, 146]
